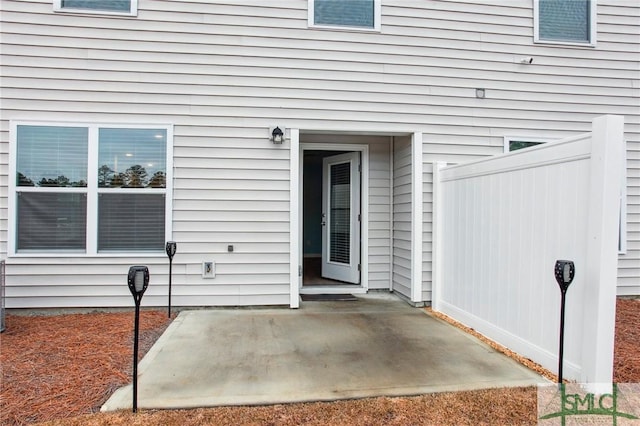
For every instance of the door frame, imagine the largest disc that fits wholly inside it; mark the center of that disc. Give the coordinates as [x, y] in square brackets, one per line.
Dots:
[296, 206]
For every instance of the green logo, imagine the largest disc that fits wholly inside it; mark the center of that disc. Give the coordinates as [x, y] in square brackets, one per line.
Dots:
[571, 402]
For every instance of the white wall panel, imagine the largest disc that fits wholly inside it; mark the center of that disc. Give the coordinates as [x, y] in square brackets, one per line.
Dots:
[401, 274]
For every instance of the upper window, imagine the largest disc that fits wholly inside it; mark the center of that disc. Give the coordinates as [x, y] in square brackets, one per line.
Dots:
[120, 7]
[90, 188]
[565, 21]
[350, 14]
[516, 143]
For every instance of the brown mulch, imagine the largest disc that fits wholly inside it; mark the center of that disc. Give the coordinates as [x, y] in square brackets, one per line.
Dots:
[58, 366]
[626, 355]
[60, 369]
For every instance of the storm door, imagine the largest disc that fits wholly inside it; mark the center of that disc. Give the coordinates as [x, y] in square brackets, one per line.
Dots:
[341, 217]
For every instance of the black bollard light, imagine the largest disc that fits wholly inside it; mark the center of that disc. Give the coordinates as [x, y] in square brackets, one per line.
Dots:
[138, 280]
[171, 251]
[564, 270]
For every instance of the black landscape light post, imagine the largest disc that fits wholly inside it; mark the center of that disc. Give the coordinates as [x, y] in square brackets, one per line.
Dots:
[138, 280]
[171, 251]
[564, 270]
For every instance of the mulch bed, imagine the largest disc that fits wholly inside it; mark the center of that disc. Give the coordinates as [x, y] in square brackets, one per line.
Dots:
[626, 358]
[60, 369]
[60, 366]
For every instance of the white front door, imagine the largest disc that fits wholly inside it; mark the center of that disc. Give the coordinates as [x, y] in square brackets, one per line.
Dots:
[341, 217]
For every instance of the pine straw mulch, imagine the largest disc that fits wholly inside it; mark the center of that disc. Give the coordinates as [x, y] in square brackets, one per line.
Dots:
[56, 366]
[60, 369]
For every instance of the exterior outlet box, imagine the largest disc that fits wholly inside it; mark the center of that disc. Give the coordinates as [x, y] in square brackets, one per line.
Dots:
[209, 269]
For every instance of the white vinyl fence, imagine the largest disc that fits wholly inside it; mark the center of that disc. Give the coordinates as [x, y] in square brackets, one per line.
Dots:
[502, 224]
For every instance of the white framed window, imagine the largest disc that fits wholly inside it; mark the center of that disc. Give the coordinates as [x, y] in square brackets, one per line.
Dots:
[570, 22]
[103, 7]
[78, 188]
[345, 14]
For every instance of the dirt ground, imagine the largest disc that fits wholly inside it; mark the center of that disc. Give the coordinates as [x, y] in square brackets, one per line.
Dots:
[60, 369]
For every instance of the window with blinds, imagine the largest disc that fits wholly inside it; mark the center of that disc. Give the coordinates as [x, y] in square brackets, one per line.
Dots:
[340, 213]
[119, 206]
[565, 21]
[363, 14]
[128, 7]
[51, 187]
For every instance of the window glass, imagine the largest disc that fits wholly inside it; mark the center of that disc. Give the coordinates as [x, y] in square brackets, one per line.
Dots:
[107, 5]
[515, 145]
[57, 208]
[131, 222]
[132, 158]
[50, 156]
[51, 221]
[349, 13]
[564, 20]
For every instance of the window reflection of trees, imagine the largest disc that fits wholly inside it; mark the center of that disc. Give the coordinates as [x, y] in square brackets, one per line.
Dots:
[135, 176]
[60, 181]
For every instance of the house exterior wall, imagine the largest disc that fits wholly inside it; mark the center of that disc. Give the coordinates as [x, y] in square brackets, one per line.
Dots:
[402, 203]
[222, 73]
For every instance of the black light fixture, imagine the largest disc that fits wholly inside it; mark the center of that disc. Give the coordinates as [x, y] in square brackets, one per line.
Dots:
[564, 271]
[277, 135]
[171, 251]
[138, 280]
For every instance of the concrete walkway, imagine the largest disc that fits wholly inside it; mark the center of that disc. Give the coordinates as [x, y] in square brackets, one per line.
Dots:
[375, 346]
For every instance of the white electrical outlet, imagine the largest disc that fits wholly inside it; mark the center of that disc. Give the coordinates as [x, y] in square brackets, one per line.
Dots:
[208, 269]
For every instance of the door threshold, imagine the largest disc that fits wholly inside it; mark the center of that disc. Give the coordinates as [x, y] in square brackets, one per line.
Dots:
[318, 289]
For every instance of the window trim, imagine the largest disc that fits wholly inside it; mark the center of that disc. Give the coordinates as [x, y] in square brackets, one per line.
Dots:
[377, 15]
[593, 24]
[92, 190]
[133, 9]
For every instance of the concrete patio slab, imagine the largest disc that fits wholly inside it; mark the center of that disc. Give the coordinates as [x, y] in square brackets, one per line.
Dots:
[375, 346]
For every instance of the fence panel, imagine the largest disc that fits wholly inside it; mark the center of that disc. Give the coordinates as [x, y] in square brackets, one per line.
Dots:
[502, 224]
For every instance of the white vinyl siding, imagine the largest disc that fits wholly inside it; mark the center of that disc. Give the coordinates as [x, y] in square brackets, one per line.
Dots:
[402, 214]
[226, 72]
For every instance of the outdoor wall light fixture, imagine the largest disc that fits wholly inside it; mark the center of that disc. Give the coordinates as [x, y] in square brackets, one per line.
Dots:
[480, 93]
[171, 251]
[277, 135]
[138, 280]
[564, 271]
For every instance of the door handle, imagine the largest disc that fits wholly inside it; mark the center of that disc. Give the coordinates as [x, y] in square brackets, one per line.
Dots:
[324, 223]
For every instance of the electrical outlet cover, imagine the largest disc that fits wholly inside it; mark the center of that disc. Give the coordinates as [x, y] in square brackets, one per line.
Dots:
[208, 269]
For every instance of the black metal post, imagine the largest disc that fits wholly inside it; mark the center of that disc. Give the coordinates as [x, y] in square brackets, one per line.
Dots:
[170, 248]
[564, 271]
[138, 280]
[135, 356]
[170, 274]
[561, 351]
